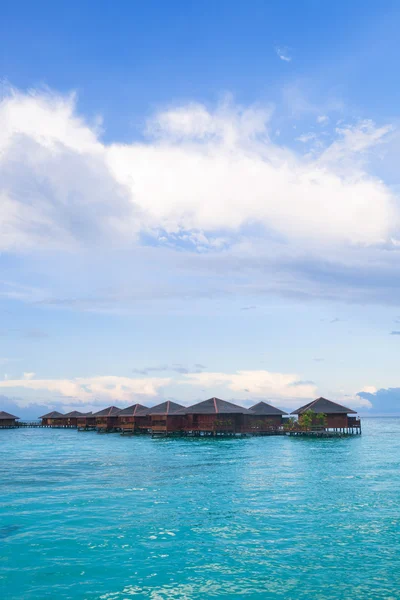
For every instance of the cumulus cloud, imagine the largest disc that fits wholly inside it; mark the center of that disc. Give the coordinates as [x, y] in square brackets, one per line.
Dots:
[287, 390]
[382, 401]
[61, 182]
[259, 384]
[85, 390]
[206, 192]
[354, 401]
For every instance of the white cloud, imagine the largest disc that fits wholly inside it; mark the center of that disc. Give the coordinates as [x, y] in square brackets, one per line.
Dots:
[354, 401]
[29, 376]
[201, 172]
[286, 390]
[257, 384]
[347, 153]
[210, 181]
[307, 137]
[283, 53]
[323, 119]
[47, 118]
[370, 389]
[88, 389]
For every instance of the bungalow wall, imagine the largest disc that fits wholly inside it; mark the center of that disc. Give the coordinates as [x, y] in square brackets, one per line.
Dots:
[134, 423]
[7, 423]
[53, 422]
[167, 423]
[107, 423]
[86, 421]
[353, 422]
[221, 423]
[126, 423]
[67, 421]
[143, 423]
[261, 423]
[337, 421]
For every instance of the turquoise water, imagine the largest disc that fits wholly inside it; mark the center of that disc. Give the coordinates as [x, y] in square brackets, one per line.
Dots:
[90, 516]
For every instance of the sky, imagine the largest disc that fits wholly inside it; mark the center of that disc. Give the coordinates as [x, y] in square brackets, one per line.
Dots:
[199, 199]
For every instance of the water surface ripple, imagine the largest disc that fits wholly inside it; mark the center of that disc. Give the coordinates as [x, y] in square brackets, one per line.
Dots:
[107, 517]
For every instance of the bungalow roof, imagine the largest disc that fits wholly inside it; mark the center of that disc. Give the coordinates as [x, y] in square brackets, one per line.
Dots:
[52, 415]
[165, 408]
[110, 411]
[322, 405]
[5, 416]
[263, 408]
[214, 406]
[132, 411]
[74, 414]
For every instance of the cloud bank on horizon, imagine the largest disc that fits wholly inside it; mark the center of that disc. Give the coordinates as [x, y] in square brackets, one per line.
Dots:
[247, 387]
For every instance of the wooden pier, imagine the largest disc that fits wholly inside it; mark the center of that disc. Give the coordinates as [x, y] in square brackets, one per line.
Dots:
[43, 425]
[86, 427]
[312, 433]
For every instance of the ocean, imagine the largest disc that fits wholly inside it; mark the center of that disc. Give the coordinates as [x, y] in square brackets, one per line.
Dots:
[84, 515]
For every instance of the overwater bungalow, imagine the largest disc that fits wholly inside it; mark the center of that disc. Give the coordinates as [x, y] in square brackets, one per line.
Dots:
[53, 419]
[7, 420]
[330, 415]
[86, 421]
[262, 418]
[107, 419]
[71, 419]
[214, 416]
[129, 421]
[162, 418]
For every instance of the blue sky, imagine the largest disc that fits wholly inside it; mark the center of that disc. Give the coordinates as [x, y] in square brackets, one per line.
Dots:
[199, 198]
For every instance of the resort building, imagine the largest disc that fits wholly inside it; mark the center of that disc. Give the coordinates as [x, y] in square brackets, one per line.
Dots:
[71, 419]
[319, 418]
[214, 416]
[162, 419]
[107, 419]
[53, 419]
[7, 420]
[86, 421]
[330, 416]
[262, 418]
[129, 421]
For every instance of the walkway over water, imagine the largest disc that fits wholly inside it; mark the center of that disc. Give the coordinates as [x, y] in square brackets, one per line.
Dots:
[277, 431]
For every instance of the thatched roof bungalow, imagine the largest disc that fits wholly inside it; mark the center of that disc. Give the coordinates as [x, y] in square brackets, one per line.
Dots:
[53, 419]
[214, 416]
[262, 418]
[162, 418]
[329, 415]
[71, 419]
[107, 419]
[130, 419]
[7, 420]
[86, 421]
